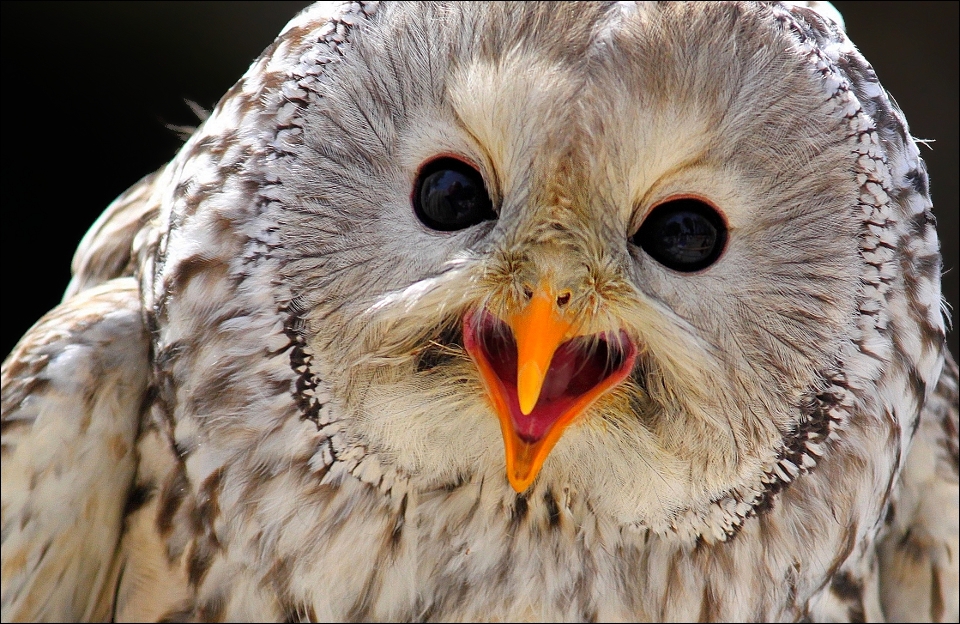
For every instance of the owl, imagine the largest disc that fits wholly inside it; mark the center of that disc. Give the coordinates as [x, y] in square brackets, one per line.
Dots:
[504, 312]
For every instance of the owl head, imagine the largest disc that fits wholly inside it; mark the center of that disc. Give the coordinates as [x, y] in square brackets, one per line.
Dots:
[636, 253]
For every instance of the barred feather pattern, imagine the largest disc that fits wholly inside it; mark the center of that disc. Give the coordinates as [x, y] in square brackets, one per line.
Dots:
[312, 440]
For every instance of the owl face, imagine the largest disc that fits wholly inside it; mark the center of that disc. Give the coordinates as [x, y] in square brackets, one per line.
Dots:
[574, 245]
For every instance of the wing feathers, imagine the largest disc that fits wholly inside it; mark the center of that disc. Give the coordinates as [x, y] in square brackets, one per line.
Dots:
[918, 557]
[105, 251]
[72, 391]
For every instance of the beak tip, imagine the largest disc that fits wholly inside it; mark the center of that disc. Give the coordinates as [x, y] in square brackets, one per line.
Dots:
[520, 485]
[529, 384]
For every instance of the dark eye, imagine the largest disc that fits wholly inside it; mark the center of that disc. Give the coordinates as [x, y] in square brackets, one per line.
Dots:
[684, 234]
[450, 195]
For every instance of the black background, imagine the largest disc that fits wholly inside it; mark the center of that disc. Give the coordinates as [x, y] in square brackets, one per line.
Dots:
[89, 90]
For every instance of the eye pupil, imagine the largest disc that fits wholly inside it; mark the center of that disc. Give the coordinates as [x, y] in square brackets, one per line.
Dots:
[683, 234]
[450, 195]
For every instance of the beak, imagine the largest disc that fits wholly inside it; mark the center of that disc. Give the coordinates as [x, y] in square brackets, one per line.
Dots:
[541, 375]
[539, 329]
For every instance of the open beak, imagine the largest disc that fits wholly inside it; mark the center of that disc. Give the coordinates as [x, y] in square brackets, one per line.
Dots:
[540, 375]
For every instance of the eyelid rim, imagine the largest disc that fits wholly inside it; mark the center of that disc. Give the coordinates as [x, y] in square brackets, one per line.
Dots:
[679, 196]
[447, 156]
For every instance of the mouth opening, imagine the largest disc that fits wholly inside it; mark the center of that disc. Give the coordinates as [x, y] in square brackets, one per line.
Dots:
[582, 366]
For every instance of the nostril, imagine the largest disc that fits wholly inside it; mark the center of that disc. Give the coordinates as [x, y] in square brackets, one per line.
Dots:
[527, 291]
[563, 299]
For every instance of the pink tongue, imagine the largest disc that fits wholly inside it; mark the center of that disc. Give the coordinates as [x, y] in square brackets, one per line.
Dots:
[562, 369]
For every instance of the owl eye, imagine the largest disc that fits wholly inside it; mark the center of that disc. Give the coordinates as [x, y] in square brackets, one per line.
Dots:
[684, 234]
[450, 195]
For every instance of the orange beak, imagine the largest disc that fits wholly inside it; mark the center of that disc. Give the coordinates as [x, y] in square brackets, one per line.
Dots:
[541, 375]
[538, 329]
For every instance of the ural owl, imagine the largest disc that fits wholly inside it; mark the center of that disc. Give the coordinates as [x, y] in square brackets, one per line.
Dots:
[575, 311]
